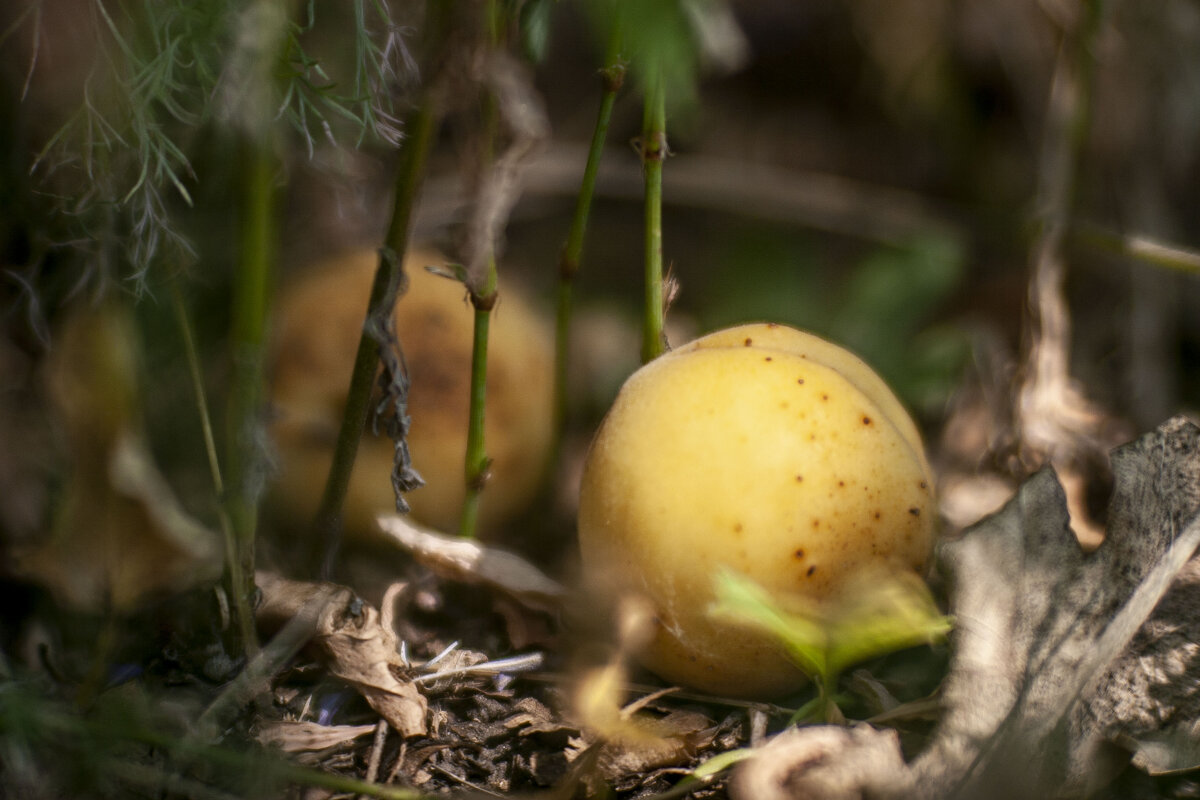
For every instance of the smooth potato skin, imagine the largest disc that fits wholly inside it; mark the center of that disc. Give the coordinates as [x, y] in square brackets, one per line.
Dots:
[773, 336]
[316, 336]
[759, 460]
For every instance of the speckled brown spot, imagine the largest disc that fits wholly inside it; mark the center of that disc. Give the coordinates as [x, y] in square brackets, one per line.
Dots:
[866, 420]
[916, 512]
[737, 527]
[816, 523]
[923, 485]
[799, 479]
[841, 483]
[811, 570]
[799, 552]
[767, 358]
[878, 515]
[824, 397]
[748, 341]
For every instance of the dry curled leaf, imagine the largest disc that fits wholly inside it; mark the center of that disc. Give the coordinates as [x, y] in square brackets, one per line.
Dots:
[356, 648]
[1054, 657]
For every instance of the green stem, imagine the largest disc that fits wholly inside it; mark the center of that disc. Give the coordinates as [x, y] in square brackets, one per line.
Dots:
[483, 293]
[389, 283]
[251, 300]
[613, 76]
[477, 461]
[654, 150]
[243, 614]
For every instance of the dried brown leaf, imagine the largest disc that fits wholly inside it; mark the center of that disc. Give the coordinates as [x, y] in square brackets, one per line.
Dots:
[356, 648]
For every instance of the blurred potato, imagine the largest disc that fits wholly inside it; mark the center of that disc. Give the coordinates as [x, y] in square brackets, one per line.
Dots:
[319, 320]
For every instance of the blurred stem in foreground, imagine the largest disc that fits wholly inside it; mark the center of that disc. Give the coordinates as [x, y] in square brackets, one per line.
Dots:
[654, 150]
[390, 282]
[243, 613]
[482, 287]
[100, 749]
[248, 98]
[251, 300]
[612, 77]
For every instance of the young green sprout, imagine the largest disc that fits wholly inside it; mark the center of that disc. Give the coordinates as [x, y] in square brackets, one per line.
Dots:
[878, 611]
[766, 452]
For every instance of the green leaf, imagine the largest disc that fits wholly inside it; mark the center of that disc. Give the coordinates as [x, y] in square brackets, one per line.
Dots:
[535, 28]
[741, 600]
[658, 41]
[723, 761]
[878, 612]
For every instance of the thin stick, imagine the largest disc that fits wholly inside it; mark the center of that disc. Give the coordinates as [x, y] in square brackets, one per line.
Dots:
[381, 729]
[654, 150]
[1141, 248]
[612, 76]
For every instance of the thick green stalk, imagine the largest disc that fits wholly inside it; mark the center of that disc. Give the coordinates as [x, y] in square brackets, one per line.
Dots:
[388, 285]
[654, 151]
[243, 614]
[251, 298]
[613, 76]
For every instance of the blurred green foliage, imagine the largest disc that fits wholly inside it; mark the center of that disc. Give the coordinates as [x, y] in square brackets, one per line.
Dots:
[658, 41]
[880, 307]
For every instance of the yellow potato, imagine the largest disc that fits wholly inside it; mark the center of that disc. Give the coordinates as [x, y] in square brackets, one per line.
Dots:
[765, 450]
[319, 322]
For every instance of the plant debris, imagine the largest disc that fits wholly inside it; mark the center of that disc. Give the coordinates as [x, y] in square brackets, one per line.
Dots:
[1054, 661]
[354, 646]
